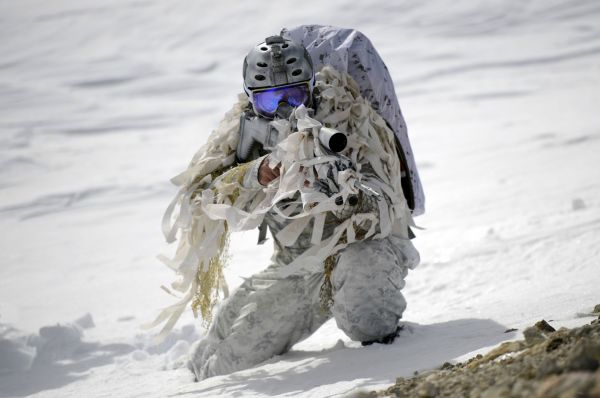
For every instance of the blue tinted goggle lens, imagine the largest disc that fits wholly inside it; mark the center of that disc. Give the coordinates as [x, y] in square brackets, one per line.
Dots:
[267, 101]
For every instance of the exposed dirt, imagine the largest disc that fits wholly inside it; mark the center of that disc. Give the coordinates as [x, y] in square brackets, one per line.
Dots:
[549, 363]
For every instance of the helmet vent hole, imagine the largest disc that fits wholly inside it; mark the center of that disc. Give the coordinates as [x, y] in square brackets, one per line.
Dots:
[259, 77]
[285, 45]
[296, 72]
[263, 48]
[291, 60]
[261, 64]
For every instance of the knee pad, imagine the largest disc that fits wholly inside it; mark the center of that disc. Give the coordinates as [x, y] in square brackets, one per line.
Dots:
[370, 319]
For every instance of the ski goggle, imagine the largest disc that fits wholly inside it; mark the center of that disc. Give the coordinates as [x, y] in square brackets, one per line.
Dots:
[266, 101]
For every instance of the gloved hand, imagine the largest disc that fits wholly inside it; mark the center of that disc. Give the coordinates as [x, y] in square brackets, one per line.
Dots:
[267, 174]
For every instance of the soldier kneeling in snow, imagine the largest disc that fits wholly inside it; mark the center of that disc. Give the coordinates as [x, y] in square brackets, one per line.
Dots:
[323, 160]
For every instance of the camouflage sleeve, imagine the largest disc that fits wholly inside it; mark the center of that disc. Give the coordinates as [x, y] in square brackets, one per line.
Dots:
[250, 180]
[244, 174]
[238, 184]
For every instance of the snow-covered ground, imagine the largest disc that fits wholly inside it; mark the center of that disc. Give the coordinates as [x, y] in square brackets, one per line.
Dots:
[102, 102]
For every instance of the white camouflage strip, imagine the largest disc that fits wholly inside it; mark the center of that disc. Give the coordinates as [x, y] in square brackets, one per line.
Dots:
[203, 207]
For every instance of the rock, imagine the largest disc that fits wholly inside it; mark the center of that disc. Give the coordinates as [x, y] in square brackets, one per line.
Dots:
[504, 348]
[446, 366]
[554, 344]
[56, 343]
[595, 391]
[497, 392]
[594, 348]
[548, 367]
[548, 364]
[533, 336]
[581, 358]
[544, 326]
[85, 322]
[596, 309]
[427, 390]
[583, 331]
[396, 391]
[66, 334]
[571, 385]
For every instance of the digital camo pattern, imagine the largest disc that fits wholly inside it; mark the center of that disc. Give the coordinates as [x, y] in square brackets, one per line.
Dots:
[350, 51]
[274, 309]
[214, 200]
[367, 280]
[269, 313]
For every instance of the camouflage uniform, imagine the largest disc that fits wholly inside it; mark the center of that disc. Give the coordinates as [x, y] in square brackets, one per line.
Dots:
[269, 312]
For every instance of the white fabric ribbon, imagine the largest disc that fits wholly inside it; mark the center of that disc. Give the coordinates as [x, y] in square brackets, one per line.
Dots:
[200, 223]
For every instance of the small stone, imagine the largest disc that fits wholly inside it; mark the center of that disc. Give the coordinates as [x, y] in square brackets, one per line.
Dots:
[446, 366]
[504, 348]
[510, 330]
[427, 390]
[85, 322]
[533, 335]
[544, 326]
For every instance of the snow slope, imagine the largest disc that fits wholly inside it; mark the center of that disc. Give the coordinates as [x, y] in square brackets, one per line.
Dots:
[102, 102]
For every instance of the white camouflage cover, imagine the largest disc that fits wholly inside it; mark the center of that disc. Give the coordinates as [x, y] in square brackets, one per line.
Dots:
[350, 51]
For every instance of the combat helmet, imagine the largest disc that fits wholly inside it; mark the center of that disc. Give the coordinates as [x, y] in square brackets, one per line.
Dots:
[278, 70]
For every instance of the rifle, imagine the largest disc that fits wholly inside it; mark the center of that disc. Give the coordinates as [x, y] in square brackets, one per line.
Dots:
[259, 136]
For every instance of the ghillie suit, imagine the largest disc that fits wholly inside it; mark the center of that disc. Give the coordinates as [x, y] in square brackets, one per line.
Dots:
[333, 256]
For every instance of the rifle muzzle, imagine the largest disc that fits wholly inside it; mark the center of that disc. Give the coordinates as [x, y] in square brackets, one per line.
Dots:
[332, 139]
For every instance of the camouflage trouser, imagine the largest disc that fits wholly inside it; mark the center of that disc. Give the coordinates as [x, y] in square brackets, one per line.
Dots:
[269, 313]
